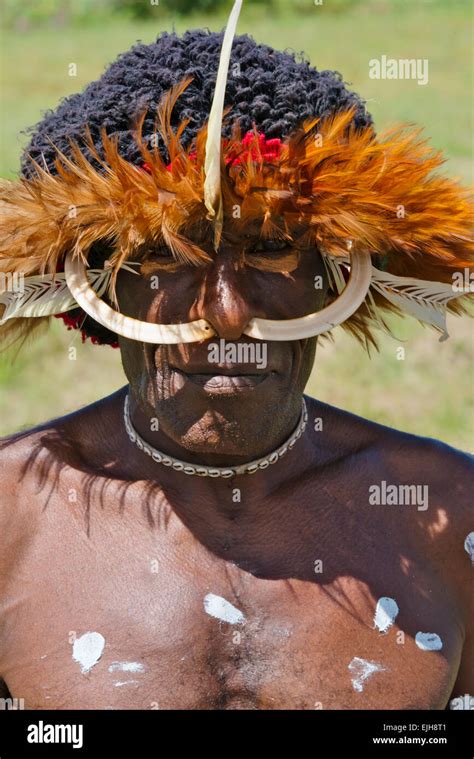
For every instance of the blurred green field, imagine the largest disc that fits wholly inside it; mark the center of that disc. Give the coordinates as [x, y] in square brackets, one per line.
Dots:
[431, 391]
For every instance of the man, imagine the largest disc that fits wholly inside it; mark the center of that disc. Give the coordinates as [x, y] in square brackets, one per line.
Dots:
[208, 537]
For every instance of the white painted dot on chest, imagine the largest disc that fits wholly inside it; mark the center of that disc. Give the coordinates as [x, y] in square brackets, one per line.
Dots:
[126, 666]
[386, 613]
[469, 546]
[220, 608]
[362, 670]
[87, 650]
[428, 641]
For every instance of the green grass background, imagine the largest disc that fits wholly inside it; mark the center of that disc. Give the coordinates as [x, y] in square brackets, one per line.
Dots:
[430, 392]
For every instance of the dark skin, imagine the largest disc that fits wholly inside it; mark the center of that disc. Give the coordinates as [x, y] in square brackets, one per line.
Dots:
[97, 537]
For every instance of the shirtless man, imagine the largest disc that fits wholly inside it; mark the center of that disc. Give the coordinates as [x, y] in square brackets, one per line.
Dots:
[128, 584]
[99, 538]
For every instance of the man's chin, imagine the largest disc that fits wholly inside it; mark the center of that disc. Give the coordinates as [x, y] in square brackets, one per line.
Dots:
[225, 415]
[222, 441]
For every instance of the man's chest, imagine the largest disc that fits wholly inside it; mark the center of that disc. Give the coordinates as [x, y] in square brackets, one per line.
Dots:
[113, 625]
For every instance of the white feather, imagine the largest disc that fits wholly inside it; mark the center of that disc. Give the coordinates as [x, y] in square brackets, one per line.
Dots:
[423, 299]
[36, 297]
[334, 271]
[212, 164]
[48, 294]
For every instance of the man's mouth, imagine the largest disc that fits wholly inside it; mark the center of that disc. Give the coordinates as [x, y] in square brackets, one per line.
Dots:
[223, 381]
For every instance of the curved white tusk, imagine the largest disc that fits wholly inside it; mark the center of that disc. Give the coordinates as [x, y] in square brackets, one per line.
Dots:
[126, 326]
[321, 321]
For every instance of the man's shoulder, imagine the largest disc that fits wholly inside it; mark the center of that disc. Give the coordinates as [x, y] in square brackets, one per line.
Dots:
[74, 427]
[446, 477]
[432, 483]
[21, 451]
[416, 489]
[23, 466]
[404, 451]
[28, 457]
[32, 461]
[17, 513]
[446, 471]
[384, 456]
[17, 452]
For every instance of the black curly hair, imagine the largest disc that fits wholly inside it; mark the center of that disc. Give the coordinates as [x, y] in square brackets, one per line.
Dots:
[273, 90]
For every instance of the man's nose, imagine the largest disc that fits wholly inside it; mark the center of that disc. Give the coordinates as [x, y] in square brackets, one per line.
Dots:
[223, 304]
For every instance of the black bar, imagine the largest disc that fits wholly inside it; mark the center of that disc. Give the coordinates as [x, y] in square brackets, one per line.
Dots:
[314, 733]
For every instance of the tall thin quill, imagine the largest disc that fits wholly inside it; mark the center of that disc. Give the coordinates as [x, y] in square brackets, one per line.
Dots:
[212, 164]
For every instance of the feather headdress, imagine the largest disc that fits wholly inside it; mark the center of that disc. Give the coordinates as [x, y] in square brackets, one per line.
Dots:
[349, 190]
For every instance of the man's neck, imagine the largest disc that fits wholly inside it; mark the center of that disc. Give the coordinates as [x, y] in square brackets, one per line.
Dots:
[243, 488]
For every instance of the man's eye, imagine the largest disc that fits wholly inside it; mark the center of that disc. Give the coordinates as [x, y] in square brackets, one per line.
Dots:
[161, 252]
[270, 246]
[159, 258]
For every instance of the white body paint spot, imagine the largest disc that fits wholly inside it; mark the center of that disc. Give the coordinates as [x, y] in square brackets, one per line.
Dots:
[469, 546]
[386, 613]
[428, 641]
[119, 683]
[218, 607]
[87, 650]
[126, 666]
[362, 670]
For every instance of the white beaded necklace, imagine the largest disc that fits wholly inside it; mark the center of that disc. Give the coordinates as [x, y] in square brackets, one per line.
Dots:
[206, 471]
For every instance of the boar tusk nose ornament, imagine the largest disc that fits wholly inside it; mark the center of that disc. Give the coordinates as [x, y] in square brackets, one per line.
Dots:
[262, 329]
[126, 326]
[311, 325]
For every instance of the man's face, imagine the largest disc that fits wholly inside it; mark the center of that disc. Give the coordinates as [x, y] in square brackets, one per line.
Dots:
[214, 396]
